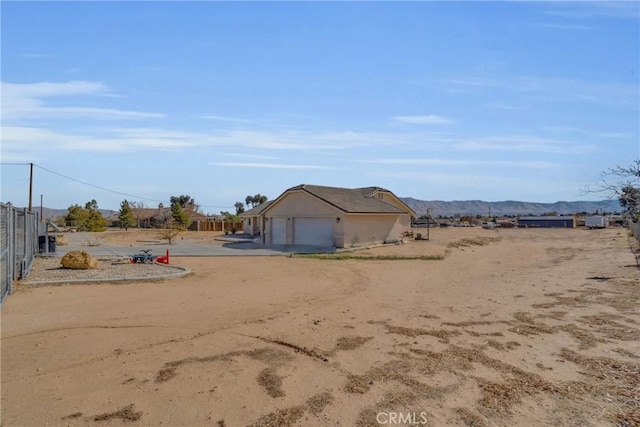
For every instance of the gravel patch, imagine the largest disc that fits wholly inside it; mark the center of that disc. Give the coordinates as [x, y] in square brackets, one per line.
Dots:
[48, 270]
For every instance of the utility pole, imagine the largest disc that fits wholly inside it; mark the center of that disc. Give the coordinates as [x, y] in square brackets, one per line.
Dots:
[41, 217]
[30, 187]
[428, 222]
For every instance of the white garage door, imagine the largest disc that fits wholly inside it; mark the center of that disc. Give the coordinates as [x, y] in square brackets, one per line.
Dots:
[278, 231]
[313, 231]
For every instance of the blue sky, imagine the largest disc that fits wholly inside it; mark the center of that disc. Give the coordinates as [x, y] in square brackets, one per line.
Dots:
[432, 100]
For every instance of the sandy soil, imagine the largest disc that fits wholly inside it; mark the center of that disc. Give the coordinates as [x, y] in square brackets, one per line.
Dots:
[511, 327]
[144, 237]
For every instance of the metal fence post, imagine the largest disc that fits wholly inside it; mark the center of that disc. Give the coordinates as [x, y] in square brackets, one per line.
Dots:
[12, 247]
[19, 244]
[5, 256]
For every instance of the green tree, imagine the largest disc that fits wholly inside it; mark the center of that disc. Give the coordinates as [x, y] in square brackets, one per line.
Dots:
[92, 205]
[127, 218]
[256, 200]
[239, 207]
[88, 218]
[95, 221]
[185, 201]
[180, 218]
[260, 199]
[234, 221]
[76, 216]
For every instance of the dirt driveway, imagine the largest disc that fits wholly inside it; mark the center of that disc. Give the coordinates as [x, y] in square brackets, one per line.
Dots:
[511, 327]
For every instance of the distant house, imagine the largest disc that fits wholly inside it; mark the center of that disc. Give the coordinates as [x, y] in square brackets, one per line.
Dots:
[159, 217]
[199, 222]
[568, 221]
[330, 217]
[253, 220]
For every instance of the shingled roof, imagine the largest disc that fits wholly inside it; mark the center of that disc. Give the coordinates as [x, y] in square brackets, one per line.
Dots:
[349, 200]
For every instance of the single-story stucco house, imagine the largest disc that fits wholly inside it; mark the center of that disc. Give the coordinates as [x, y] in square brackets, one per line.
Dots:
[252, 220]
[330, 217]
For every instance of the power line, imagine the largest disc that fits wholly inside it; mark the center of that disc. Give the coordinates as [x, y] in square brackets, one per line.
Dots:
[99, 187]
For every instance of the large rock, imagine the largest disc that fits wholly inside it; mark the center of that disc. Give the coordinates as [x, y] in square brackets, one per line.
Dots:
[79, 260]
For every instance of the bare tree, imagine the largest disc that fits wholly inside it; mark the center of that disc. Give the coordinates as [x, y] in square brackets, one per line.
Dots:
[622, 183]
[170, 232]
[138, 209]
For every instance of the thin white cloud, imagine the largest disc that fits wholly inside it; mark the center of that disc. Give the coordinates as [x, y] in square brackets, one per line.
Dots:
[95, 113]
[544, 89]
[467, 84]
[453, 163]
[221, 118]
[566, 27]
[18, 140]
[250, 156]
[27, 102]
[122, 139]
[615, 135]
[431, 119]
[308, 139]
[570, 129]
[508, 107]
[269, 165]
[594, 9]
[48, 89]
[33, 55]
[445, 179]
[523, 143]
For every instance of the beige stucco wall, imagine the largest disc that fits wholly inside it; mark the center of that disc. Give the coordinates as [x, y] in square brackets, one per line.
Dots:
[301, 204]
[246, 227]
[351, 230]
[363, 229]
[298, 204]
[252, 225]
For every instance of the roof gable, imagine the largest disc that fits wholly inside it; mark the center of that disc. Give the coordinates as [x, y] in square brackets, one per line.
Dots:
[347, 200]
[257, 211]
[375, 191]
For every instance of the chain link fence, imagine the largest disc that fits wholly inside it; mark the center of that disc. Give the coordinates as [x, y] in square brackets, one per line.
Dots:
[635, 229]
[18, 245]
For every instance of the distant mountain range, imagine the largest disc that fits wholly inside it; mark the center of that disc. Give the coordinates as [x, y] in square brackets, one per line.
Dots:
[458, 207]
[509, 207]
[49, 213]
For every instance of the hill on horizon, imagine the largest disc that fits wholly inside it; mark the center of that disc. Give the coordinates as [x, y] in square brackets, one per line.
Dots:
[508, 207]
[52, 213]
[457, 207]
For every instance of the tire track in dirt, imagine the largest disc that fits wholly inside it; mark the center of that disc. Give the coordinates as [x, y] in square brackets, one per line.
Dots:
[71, 328]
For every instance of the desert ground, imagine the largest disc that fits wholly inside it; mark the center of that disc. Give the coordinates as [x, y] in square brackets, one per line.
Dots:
[471, 328]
